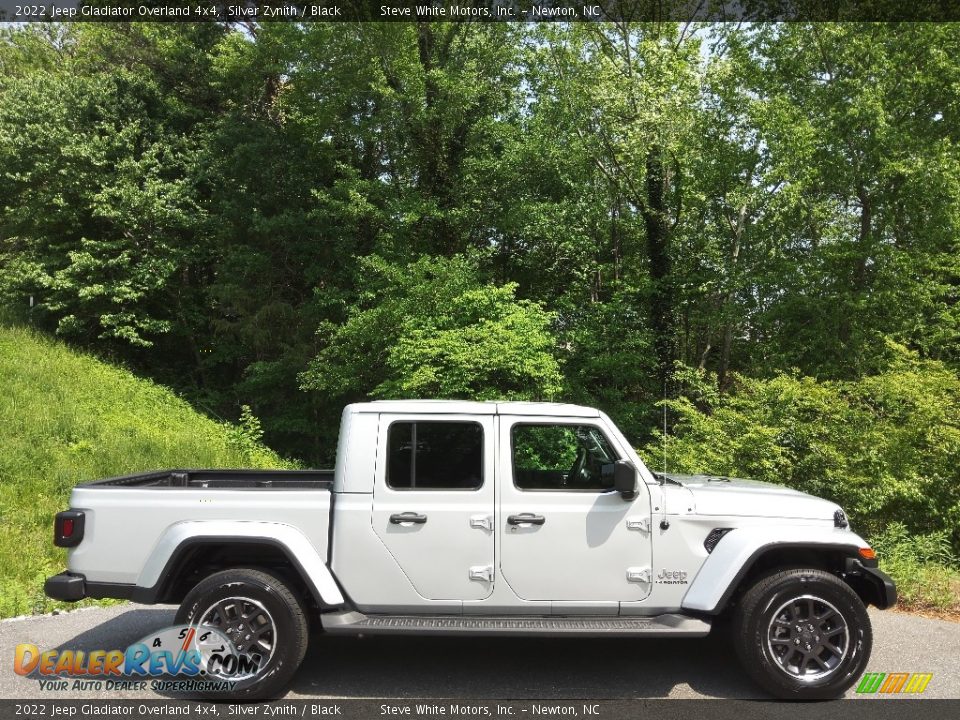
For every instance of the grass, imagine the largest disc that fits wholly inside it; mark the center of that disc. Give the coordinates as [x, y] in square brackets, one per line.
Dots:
[925, 569]
[66, 417]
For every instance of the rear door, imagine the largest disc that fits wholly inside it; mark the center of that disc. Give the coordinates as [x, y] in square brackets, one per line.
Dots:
[566, 535]
[433, 502]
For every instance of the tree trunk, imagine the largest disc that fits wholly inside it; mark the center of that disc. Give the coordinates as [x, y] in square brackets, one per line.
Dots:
[728, 327]
[858, 280]
[658, 252]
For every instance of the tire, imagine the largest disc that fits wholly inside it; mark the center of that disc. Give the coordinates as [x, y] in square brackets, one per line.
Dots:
[779, 650]
[228, 599]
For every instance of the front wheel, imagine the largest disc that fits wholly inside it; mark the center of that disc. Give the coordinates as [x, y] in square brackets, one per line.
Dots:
[803, 634]
[263, 620]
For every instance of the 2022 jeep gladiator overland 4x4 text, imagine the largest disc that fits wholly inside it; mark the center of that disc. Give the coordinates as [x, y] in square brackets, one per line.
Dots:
[513, 518]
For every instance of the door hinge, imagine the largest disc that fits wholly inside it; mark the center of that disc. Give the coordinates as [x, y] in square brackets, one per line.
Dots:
[482, 522]
[482, 573]
[641, 524]
[638, 574]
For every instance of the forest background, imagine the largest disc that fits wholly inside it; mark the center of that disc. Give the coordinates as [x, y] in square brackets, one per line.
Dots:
[753, 227]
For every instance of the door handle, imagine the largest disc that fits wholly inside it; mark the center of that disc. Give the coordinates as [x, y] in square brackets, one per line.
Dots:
[408, 517]
[525, 519]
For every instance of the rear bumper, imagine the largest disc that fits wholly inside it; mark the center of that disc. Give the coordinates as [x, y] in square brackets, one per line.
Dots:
[70, 587]
[65, 586]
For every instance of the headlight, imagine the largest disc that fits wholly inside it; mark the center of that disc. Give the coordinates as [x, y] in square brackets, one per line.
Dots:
[840, 519]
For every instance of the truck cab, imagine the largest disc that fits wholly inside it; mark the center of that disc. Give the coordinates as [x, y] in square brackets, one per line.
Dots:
[493, 507]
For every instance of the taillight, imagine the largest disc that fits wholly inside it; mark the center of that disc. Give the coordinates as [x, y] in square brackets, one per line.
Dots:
[68, 528]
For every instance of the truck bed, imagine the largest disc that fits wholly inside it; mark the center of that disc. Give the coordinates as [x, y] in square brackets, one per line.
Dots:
[228, 479]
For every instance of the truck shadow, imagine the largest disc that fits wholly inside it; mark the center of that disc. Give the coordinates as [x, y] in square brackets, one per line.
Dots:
[482, 667]
[536, 668]
[122, 630]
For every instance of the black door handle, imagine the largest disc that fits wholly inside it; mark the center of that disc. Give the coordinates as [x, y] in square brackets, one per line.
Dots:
[408, 517]
[525, 519]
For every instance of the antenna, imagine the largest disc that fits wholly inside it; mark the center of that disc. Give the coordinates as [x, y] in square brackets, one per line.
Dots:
[664, 428]
[664, 523]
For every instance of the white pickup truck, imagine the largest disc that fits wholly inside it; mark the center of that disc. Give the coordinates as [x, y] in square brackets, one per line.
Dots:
[498, 518]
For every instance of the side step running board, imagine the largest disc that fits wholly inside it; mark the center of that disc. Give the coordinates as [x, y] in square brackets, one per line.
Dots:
[670, 625]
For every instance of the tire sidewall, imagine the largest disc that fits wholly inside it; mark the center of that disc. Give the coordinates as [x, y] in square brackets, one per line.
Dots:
[274, 675]
[853, 663]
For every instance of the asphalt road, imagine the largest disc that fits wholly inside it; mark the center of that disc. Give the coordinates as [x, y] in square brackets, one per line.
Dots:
[491, 668]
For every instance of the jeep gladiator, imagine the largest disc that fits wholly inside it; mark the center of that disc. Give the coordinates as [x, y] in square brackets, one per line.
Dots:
[495, 518]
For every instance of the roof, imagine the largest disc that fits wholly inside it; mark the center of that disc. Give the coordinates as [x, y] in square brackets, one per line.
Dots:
[470, 407]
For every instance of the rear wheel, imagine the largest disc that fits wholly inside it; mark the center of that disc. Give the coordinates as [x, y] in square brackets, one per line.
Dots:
[263, 620]
[802, 634]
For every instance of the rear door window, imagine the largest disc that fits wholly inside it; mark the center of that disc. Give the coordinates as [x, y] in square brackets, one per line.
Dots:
[435, 456]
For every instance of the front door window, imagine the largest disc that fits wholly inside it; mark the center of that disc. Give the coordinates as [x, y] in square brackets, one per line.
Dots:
[561, 457]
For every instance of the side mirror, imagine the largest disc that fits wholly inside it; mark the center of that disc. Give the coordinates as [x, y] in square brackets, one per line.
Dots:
[624, 478]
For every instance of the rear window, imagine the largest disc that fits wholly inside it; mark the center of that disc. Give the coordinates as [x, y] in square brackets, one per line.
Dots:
[435, 456]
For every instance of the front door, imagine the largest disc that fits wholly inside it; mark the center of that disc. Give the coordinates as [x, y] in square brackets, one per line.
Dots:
[566, 535]
[433, 502]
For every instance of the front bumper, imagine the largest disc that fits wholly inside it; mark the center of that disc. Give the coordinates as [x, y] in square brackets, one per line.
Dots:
[873, 585]
[885, 588]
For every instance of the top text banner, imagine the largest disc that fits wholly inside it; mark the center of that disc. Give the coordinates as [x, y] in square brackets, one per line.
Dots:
[251, 11]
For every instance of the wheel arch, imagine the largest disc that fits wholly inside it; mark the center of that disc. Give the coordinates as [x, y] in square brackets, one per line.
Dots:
[745, 554]
[185, 555]
[782, 556]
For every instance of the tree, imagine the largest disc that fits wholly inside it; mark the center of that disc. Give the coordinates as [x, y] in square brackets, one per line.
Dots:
[104, 207]
[432, 329]
[628, 91]
[860, 125]
[197, 200]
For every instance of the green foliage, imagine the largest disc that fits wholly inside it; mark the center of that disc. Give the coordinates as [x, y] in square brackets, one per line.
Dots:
[436, 331]
[246, 438]
[99, 213]
[68, 418]
[859, 240]
[885, 446]
[544, 447]
[746, 199]
[925, 567]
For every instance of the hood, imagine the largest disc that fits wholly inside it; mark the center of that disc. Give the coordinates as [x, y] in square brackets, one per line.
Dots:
[716, 495]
